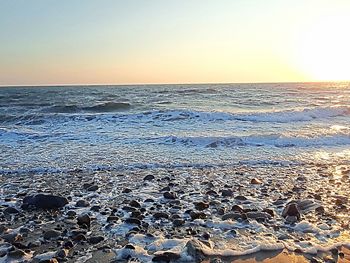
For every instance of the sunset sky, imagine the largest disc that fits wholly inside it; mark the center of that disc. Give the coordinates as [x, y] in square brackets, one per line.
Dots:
[165, 41]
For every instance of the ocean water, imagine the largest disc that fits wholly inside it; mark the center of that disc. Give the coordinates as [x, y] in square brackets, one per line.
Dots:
[57, 129]
[198, 139]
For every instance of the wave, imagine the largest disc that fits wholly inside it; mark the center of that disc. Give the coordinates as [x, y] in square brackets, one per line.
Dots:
[306, 114]
[103, 107]
[257, 141]
[283, 116]
[114, 111]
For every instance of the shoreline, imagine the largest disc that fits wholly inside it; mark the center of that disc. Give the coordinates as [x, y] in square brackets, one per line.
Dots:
[170, 215]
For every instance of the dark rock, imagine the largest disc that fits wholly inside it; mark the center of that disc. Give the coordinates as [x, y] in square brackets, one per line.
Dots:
[134, 221]
[11, 210]
[95, 239]
[197, 215]
[68, 244]
[45, 201]
[241, 197]
[62, 253]
[52, 234]
[12, 237]
[237, 208]
[84, 219]
[291, 210]
[135, 204]
[178, 222]
[71, 213]
[226, 192]
[269, 211]
[201, 206]
[126, 190]
[92, 188]
[258, 215]
[160, 215]
[129, 246]
[112, 218]
[166, 257]
[95, 208]
[79, 237]
[149, 177]
[16, 253]
[82, 203]
[170, 195]
[129, 208]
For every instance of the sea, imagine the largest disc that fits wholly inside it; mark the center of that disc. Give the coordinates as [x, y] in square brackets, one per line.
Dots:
[246, 152]
[63, 128]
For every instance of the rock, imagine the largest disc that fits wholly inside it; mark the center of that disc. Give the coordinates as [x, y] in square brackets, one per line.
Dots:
[3, 229]
[197, 215]
[226, 192]
[135, 204]
[258, 215]
[84, 219]
[160, 215]
[237, 208]
[45, 201]
[12, 237]
[234, 216]
[178, 222]
[169, 195]
[112, 218]
[11, 210]
[71, 214]
[196, 249]
[16, 253]
[68, 244]
[132, 220]
[51, 234]
[95, 208]
[92, 188]
[269, 211]
[166, 257]
[149, 177]
[82, 203]
[241, 197]
[201, 206]
[79, 237]
[126, 190]
[255, 181]
[128, 208]
[95, 239]
[291, 210]
[62, 253]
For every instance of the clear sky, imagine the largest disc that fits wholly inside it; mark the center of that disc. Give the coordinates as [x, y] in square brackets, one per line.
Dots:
[173, 41]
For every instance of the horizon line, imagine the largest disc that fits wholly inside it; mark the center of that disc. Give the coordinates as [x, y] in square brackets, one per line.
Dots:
[158, 84]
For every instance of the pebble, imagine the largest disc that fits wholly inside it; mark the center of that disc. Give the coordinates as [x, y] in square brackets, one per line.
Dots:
[51, 234]
[255, 181]
[169, 195]
[149, 177]
[82, 203]
[201, 206]
[84, 219]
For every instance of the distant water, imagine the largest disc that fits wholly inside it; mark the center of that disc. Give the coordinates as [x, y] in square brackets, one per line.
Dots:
[57, 129]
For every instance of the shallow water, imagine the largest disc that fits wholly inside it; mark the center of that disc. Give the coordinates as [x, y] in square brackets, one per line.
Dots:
[108, 127]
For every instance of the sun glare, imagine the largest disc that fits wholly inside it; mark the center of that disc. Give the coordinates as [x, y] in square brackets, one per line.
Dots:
[324, 49]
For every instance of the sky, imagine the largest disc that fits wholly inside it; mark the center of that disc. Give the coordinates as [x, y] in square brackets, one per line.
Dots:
[173, 41]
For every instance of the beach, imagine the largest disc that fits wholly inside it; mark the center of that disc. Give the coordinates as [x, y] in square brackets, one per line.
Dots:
[191, 173]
